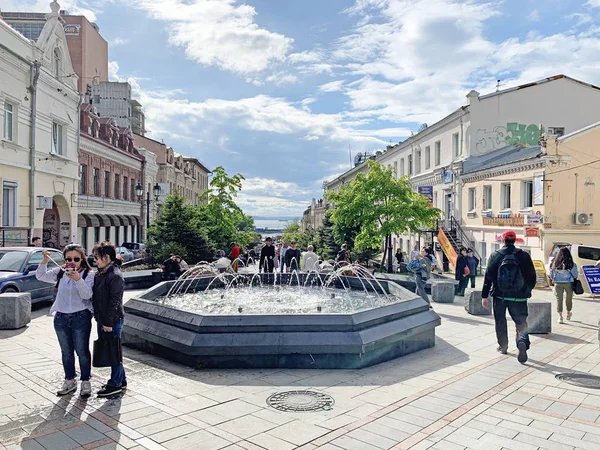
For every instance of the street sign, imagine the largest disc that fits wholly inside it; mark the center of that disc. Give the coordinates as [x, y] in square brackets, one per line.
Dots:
[592, 276]
[541, 280]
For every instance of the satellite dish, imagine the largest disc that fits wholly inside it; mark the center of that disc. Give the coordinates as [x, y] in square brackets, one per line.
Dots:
[359, 159]
[422, 127]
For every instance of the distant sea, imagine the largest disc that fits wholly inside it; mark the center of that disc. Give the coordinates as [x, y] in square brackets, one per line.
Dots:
[274, 224]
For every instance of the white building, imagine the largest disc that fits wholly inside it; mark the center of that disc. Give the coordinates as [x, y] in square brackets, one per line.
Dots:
[113, 99]
[39, 133]
[150, 180]
[431, 158]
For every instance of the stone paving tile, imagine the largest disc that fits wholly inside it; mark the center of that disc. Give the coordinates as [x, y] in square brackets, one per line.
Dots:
[84, 434]
[298, 432]
[199, 440]
[172, 433]
[349, 443]
[271, 442]
[58, 441]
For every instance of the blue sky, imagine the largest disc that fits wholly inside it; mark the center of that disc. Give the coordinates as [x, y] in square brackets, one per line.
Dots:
[278, 90]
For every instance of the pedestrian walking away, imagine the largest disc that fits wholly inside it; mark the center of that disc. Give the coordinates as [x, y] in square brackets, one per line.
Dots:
[461, 272]
[422, 273]
[72, 310]
[472, 263]
[107, 300]
[564, 273]
[509, 279]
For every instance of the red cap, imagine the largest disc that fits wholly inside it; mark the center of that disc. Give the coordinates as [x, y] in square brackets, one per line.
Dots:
[510, 234]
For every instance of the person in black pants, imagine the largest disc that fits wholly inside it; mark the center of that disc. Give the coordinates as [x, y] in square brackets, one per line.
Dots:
[472, 263]
[459, 273]
[292, 258]
[509, 279]
[267, 257]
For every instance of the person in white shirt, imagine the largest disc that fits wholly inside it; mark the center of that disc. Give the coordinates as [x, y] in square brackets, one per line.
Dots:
[310, 260]
[72, 311]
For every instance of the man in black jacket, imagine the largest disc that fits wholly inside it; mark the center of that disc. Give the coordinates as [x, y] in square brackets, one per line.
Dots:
[509, 279]
[459, 273]
[267, 257]
[292, 258]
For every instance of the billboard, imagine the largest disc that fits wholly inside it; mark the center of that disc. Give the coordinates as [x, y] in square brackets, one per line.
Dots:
[426, 191]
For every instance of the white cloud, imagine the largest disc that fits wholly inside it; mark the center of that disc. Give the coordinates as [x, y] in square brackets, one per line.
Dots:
[580, 18]
[593, 3]
[268, 206]
[118, 41]
[311, 137]
[332, 86]
[275, 187]
[534, 16]
[219, 33]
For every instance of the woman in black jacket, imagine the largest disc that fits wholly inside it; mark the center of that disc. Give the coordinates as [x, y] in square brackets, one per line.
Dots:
[459, 273]
[108, 308]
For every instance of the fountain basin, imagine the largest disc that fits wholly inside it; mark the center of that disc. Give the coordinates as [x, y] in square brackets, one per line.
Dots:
[318, 340]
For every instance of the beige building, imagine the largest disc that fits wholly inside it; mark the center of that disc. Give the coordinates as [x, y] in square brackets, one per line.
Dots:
[38, 136]
[314, 215]
[546, 194]
[177, 173]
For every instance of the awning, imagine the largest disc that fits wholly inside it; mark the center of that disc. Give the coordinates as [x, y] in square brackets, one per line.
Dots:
[128, 221]
[135, 220]
[87, 220]
[104, 220]
[120, 220]
[113, 220]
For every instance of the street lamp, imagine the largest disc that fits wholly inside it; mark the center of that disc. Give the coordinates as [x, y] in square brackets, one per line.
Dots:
[156, 191]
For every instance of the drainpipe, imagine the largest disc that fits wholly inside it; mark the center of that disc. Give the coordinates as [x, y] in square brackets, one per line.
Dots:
[35, 75]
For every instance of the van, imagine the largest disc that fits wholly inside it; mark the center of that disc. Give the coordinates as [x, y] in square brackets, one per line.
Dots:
[583, 255]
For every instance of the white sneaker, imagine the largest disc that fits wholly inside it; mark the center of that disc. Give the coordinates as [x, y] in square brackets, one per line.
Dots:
[86, 389]
[560, 320]
[67, 387]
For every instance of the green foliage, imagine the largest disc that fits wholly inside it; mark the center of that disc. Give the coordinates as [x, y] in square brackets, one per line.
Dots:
[325, 243]
[178, 231]
[377, 205]
[292, 233]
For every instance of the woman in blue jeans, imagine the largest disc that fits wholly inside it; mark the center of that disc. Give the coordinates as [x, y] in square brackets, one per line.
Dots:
[72, 314]
[108, 308]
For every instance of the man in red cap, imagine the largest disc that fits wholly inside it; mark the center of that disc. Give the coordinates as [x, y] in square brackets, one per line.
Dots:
[509, 279]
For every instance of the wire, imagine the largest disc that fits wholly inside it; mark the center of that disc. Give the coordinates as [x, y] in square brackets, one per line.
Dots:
[575, 167]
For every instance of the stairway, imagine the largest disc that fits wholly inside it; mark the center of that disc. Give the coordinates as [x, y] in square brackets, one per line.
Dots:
[458, 238]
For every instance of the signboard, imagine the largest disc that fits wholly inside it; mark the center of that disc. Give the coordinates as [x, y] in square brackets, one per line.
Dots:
[592, 276]
[541, 280]
[533, 219]
[518, 240]
[538, 190]
[532, 232]
[448, 176]
[426, 191]
[72, 30]
[447, 247]
[504, 221]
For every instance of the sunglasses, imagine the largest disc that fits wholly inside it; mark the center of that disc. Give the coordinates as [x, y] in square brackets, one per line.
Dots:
[73, 259]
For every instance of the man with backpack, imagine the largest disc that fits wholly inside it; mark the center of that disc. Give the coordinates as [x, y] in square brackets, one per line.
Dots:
[509, 279]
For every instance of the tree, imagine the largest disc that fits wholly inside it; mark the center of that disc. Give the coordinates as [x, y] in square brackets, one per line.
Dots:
[325, 243]
[178, 231]
[379, 205]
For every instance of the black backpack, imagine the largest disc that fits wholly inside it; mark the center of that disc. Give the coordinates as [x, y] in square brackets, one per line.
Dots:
[510, 281]
[61, 273]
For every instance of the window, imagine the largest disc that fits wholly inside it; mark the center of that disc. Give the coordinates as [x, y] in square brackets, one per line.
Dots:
[472, 199]
[527, 194]
[96, 182]
[557, 131]
[418, 162]
[107, 233]
[402, 167]
[396, 169]
[117, 187]
[9, 204]
[117, 234]
[57, 139]
[427, 157]
[590, 253]
[83, 179]
[455, 149]
[505, 196]
[438, 152]
[487, 197]
[96, 234]
[106, 183]
[410, 165]
[132, 190]
[8, 121]
[125, 188]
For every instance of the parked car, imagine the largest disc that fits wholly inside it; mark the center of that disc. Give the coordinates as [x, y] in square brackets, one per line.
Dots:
[138, 249]
[17, 271]
[125, 253]
[583, 255]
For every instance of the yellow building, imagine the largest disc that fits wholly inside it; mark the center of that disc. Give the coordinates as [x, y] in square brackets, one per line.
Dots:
[545, 193]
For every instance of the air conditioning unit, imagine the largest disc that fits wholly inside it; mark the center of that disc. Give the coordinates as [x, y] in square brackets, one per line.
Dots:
[582, 218]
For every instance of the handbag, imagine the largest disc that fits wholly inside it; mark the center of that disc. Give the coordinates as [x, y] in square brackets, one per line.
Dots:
[577, 287]
[467, 271]
[107, 352]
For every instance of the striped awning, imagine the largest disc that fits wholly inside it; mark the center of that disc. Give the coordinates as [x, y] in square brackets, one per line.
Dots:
[104, 220]
[87, 220]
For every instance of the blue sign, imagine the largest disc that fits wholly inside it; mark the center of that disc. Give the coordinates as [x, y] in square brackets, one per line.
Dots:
[426, 191]
[592, 275]
[448, 176]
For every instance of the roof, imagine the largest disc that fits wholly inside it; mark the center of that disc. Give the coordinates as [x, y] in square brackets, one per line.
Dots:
[581, 130]
[537, 83]
[500, 157]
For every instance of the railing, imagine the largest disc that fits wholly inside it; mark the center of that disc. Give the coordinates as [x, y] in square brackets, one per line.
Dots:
[463, 238]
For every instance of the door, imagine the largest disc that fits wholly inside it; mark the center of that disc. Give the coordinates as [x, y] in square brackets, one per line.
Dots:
[449, 209]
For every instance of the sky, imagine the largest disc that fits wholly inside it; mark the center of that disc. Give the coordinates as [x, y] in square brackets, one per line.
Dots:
[286, 92]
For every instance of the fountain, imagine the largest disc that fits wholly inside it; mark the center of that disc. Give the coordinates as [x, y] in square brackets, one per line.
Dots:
[340, 319]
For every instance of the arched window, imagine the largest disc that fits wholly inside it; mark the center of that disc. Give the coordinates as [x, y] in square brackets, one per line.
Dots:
[57, 62]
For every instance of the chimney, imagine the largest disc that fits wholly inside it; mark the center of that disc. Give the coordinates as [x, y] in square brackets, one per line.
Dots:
[471, 96]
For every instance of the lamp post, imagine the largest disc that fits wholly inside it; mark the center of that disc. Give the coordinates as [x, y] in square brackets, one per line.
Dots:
[156, 190]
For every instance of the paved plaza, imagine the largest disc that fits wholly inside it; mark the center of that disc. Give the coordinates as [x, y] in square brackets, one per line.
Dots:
[459, 394]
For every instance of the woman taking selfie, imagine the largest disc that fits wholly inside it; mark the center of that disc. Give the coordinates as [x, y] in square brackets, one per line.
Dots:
[108, 308]
[72, 314]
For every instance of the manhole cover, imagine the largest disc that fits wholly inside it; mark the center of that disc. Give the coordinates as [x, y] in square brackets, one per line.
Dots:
[581, 380]
[301, 401]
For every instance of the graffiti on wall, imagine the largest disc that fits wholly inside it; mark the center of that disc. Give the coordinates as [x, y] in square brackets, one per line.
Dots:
[513, 133]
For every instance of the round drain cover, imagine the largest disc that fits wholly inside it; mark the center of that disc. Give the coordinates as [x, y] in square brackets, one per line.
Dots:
[301, 401]
[581, 380]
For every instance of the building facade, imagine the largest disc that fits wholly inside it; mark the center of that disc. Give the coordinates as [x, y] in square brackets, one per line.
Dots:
[432, 158]
[110, 169]
[177, 173]
[314, 215]
[38, 115]
[151, 205]
[113, 99]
